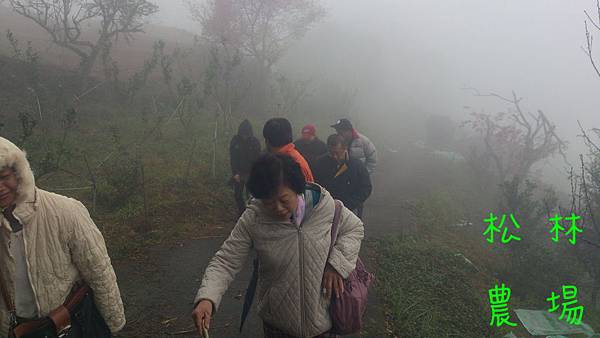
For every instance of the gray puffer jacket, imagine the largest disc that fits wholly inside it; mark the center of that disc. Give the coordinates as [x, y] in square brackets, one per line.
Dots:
[292, 261]
[363, 149]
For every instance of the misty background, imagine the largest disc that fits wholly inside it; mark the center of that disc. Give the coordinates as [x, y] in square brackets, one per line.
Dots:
[403, 60]
[408, 58]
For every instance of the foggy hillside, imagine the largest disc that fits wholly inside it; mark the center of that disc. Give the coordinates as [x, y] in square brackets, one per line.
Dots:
[462, 138]
[131, 56]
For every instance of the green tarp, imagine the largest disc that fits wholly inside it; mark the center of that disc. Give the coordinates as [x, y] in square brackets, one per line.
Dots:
[543, 323]
[510, 335]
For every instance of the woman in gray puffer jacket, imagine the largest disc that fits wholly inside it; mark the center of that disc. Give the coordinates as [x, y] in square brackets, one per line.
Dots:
[288, 224]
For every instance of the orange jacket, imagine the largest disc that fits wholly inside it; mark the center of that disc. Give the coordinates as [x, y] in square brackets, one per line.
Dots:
[291, 151]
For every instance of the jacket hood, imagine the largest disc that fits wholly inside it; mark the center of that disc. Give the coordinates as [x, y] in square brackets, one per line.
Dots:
[13, 157]
[245, 129]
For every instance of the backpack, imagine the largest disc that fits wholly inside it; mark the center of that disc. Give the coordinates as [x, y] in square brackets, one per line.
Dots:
[347, 311]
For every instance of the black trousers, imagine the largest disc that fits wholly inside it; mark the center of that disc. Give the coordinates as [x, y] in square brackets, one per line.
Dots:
[358, 211]
[241, 195]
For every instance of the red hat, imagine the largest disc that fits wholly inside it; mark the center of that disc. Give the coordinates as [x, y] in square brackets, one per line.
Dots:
[309, 129]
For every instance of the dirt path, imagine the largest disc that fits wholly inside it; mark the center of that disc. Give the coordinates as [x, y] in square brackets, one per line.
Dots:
[158, 291]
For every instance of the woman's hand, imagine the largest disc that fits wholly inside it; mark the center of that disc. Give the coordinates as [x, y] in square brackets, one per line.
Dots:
[332, 281]
[202, 314]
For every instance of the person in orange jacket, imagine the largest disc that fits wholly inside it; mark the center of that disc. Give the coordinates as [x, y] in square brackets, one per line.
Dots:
[278, 136]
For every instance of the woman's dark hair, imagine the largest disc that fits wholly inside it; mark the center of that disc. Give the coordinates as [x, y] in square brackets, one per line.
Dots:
[336, 139]
[270, 171]
[278, 132]
[245, 129]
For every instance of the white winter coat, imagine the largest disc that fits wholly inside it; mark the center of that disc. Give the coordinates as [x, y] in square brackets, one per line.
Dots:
[62, 244]
[292, 261]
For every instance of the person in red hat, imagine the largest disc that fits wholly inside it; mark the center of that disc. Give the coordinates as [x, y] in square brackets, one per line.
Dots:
[310, 146]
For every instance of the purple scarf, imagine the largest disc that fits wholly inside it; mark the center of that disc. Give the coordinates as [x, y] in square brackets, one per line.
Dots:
[298, 215]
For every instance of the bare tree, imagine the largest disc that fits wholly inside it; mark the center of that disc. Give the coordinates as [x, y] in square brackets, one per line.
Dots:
[224, 79]
[263, 29]
[589, 38]
[260, 29]
[64, 21]
[516, 140]
[585, 202]
[292, 94]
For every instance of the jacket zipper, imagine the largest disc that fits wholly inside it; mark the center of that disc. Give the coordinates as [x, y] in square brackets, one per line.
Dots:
[12, 313]
[37, 304]
[302, 304]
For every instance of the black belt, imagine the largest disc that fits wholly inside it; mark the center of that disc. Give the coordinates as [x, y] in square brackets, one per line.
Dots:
[21, 320]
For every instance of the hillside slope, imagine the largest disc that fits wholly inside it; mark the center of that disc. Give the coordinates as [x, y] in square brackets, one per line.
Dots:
[129, 56]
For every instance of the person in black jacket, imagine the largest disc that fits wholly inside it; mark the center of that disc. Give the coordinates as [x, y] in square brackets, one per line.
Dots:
[346, 178]
[244, 150]
[310, 146]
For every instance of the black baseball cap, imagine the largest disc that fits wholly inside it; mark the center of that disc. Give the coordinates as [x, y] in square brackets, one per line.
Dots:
[343, 124]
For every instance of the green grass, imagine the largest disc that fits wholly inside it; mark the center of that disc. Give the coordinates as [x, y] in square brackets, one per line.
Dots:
[183, 199]
[435, 281]
[429, 291]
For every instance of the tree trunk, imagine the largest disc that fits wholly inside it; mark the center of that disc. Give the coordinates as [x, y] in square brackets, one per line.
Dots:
[87, 66]
[215, 139]
[261, 104]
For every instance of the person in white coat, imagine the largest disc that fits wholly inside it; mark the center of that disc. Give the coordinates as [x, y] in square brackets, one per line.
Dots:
[48, 244]
[288, 224]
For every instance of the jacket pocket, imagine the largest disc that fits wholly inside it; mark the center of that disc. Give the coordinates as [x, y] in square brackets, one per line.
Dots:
[273, 304]
[264, 305]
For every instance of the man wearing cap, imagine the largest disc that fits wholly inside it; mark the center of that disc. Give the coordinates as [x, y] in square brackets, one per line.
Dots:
[359, 146]
[346, 178]
[48, 243]
[309, 145]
